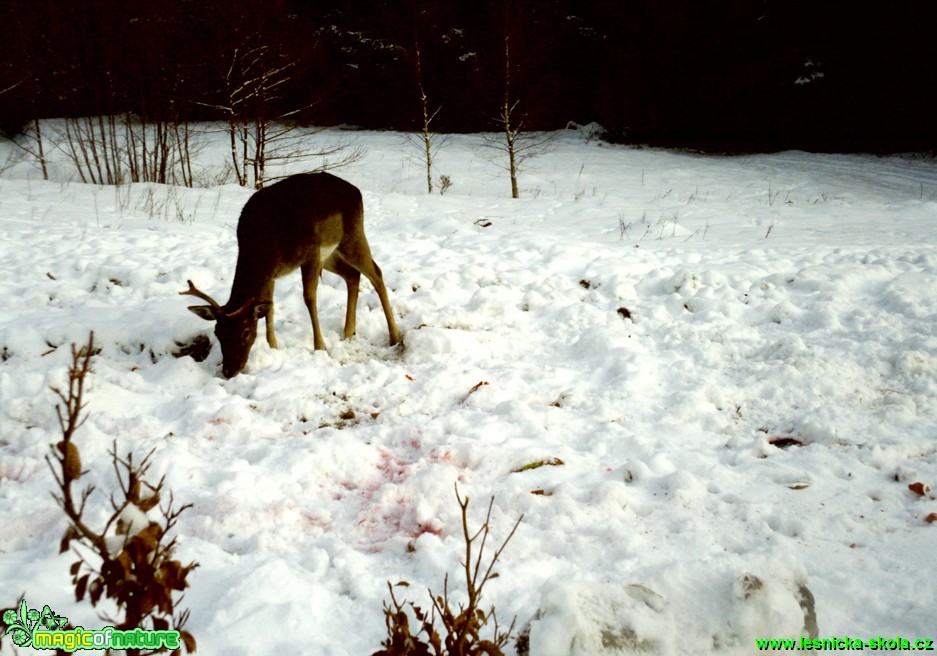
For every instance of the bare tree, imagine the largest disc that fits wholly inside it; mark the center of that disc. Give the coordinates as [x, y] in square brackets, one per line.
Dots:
[91, 143]
[512, 140]
[427, 141]
[30, 144]
[34, 147]
[260, 131]
[159, 150]
[252, 84]
[428, 152]
[125, 148]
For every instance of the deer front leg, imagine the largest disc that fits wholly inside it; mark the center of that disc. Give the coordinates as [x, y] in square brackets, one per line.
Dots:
[311, 273]
[271, 336]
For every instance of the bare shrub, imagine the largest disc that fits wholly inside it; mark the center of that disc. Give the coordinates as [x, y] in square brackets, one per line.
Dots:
[113, 150]
[461, 628]
[130, 559]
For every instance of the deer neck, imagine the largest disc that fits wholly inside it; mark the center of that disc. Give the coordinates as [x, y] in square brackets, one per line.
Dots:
[252, 284]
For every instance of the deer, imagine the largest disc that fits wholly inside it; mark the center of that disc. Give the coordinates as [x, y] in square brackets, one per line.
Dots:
[310, 222]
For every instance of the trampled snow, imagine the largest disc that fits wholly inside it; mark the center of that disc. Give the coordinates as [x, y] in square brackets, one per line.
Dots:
[654, 320]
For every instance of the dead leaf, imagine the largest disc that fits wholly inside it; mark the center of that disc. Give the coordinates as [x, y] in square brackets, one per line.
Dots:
[919, 488]
[784, 441]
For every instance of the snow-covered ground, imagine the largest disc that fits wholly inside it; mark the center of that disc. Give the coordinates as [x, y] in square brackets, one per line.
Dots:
[653, 319]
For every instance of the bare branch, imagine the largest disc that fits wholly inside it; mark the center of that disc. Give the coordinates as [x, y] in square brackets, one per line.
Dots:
[142, 577]
[462, 629]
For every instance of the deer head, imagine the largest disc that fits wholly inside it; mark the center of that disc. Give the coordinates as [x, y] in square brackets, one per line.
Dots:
[236, 331]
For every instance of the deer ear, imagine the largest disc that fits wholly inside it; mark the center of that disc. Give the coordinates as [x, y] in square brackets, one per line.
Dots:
[206, 312]
[261, 309]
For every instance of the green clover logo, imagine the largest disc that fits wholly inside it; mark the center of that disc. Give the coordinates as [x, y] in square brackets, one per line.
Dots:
[24, 624]
[21, 624]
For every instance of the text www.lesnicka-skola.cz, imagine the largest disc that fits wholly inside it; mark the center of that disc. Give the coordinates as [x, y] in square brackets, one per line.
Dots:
[845, 643]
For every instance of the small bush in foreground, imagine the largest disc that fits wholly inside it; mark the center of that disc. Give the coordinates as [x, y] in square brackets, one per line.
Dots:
[129, 560]
[460, 630]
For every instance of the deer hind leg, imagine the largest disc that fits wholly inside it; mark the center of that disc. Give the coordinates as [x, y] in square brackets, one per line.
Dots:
[311, 273]
[352, 278]
[373, 273]
[360, 258]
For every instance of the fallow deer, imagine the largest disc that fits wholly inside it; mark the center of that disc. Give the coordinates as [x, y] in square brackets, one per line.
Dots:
[311, 221]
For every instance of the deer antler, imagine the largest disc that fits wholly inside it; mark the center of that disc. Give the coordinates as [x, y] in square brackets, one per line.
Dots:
[194, 291]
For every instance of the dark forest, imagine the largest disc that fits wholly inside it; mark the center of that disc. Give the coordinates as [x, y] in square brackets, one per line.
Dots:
[729, 76]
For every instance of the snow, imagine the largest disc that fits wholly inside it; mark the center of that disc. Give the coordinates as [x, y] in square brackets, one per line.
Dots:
[653, 319]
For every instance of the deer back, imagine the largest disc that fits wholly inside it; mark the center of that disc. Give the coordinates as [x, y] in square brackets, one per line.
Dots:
[282, 226]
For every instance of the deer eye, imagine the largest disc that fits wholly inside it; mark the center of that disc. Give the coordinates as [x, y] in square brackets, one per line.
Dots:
[246, 335]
